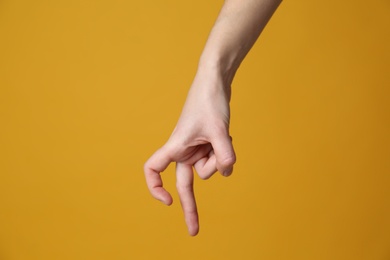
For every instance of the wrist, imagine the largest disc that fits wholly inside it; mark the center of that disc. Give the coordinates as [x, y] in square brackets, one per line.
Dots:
[215, 67]
[212, 80]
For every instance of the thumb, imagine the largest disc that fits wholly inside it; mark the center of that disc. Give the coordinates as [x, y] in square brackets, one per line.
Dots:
[224, 153]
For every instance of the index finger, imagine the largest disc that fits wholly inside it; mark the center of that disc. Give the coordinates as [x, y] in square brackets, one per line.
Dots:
[156, 164]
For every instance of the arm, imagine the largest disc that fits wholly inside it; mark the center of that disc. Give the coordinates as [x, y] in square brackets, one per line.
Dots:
[238, 26]
[201, 138]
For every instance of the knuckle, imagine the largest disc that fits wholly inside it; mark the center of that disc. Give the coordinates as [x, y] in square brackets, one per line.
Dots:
[228, 161]
[146, 167]
[190, 210]
[184, 187]
[220, 129]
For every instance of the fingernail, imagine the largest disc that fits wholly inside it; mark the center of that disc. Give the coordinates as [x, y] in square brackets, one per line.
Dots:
[227, 172]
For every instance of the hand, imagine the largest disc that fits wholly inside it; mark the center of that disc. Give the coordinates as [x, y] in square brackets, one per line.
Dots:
[200, 140]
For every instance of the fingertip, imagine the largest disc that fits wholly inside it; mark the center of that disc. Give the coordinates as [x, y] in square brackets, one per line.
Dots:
[193, 231]
[227, 172]
[204, 177]
[168, 202]
[166, 199]
[159, 193]
[192, 222]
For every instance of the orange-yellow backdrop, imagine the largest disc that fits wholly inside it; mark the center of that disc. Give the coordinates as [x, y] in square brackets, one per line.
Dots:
[89, 89]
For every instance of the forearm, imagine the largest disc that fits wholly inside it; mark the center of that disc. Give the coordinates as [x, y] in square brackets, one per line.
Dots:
[238, 26]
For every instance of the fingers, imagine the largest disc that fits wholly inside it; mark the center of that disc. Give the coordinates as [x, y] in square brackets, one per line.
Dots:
[224, 153]
[206, 159]
[152, 168]
[206, 166]
[185, 188]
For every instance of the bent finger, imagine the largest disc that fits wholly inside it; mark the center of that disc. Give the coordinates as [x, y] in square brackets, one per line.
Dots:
[156, 164]
[206, 166]
[225, 155]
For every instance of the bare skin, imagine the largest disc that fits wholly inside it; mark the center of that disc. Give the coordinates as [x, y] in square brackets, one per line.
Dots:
[201, 139]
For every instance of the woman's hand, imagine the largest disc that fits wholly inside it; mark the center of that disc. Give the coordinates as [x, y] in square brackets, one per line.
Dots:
[200, 140]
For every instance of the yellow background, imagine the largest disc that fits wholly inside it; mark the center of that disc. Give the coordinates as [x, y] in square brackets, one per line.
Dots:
[89, 89]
